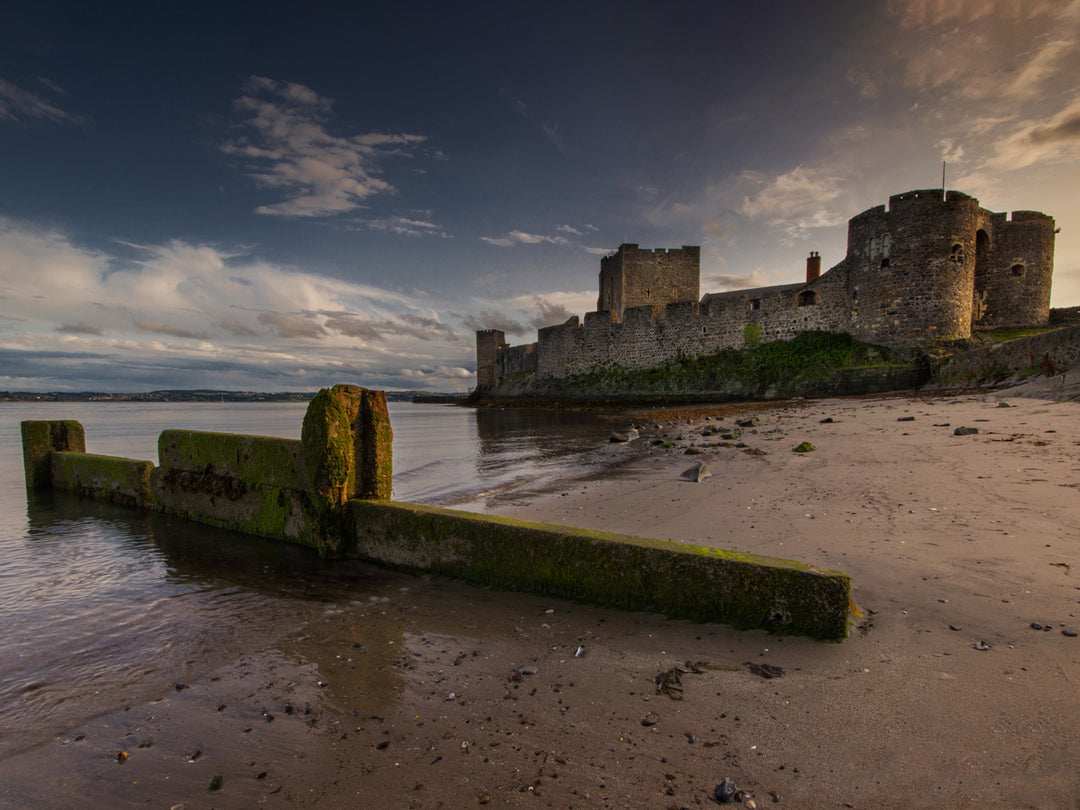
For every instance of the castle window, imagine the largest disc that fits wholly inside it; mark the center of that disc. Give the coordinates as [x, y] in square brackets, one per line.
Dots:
[884, 263]
[807, 298]
[753, 303]
[704, 330]
[957, 255]
[1017, 269]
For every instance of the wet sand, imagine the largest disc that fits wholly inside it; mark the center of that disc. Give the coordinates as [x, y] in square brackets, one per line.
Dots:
[436, 694]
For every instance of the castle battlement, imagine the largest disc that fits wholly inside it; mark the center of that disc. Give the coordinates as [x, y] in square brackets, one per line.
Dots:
[931, 266]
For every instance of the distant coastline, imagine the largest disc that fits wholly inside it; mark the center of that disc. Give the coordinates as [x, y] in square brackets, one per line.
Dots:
[200, 396]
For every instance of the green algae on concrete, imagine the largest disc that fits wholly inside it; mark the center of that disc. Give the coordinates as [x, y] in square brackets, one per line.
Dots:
[39, 439]
[265, 486]
[252, 484]
[682, 581]
[122, 481]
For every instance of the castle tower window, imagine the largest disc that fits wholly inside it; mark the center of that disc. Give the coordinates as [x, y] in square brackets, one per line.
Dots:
[807, 298]
[1017, 269]
[753, 303]
[704, 330]
[957, 255]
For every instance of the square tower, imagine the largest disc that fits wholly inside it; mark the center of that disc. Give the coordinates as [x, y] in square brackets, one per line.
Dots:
[633, 277]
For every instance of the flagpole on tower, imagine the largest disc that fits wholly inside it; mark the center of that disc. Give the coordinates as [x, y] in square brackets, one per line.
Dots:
[943, 175]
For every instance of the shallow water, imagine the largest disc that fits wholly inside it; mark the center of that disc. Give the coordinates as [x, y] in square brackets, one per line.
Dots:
[102, 605]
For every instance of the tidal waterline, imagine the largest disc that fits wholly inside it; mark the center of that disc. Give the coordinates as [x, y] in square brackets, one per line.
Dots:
[103, 605]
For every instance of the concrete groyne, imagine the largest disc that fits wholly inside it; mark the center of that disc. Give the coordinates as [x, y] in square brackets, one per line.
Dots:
[330, 490]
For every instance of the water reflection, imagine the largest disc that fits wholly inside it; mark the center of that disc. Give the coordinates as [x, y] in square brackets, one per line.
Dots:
[123, 603]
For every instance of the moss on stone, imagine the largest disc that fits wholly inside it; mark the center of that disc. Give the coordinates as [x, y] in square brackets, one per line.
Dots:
[118, 480]
[39, 439]
[679, 580]
[265, 460]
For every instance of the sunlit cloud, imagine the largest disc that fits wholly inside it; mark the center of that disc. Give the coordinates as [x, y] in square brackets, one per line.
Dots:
[290, 148]
[515, 238]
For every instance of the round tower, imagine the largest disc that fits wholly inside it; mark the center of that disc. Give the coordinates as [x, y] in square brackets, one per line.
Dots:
[1013, 269]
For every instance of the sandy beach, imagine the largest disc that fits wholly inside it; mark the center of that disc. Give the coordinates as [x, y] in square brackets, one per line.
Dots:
[437, 694]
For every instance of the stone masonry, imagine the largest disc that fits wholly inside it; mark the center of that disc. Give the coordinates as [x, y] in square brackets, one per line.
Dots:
[933, 266]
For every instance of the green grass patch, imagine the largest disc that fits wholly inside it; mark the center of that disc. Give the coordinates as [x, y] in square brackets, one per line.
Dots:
[1002, 335]
[809, 356]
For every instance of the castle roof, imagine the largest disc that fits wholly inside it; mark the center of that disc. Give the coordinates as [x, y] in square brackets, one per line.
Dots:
[756, 292]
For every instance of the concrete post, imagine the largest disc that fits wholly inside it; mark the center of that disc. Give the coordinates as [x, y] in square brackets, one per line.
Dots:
[40, 439]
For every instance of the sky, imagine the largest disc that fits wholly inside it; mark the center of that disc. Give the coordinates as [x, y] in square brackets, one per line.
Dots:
[280, 196]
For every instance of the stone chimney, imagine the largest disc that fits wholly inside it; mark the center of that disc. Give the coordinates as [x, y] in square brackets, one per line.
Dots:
[813, 266]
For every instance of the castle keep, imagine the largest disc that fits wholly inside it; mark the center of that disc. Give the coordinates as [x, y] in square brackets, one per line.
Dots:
[932, 266]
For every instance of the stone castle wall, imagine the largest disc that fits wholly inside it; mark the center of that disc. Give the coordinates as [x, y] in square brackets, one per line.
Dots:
[930, 266]
[633, 277]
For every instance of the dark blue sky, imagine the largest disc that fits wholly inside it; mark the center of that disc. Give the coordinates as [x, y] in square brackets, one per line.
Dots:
[259, 195]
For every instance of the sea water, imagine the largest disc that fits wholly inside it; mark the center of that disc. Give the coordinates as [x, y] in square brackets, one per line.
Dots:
[100, 605]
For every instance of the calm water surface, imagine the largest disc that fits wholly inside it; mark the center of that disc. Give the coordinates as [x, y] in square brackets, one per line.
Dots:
[102, 605]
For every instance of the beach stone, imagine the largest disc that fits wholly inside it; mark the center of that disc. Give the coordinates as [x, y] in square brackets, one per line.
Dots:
[696, 473]
[751, 422]
[1004, 404]
[693, 451]
[624, 435]
[805, 447]
[828, 420]
[725, 791]
[1068, 631]
[905, 419]
[965, 431]
[651, 719]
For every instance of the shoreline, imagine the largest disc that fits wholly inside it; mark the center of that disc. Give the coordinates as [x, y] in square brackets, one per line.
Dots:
[440, 694]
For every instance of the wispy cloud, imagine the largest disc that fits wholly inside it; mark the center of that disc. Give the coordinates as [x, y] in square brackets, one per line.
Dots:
[514, 238]
[290, 148]
[404, 226]
[19, 104]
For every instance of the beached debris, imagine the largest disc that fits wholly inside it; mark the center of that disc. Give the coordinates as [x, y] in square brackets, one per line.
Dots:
[696, 473]
[627, 435]
[981, 646]
[965, 431]
[766, 671]
[805, 447]
[725, 791]
[669, 682]
[905, 419]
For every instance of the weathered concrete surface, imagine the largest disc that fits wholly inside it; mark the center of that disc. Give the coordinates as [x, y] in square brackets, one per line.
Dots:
[679, 580]
[252, 484]
[40, 439]
[309, 492]
[122, 481]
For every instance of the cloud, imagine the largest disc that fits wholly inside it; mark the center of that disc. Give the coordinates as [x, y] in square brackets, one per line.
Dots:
[18, 104]
[548, 312]
[289, 148]
[288, 325]
[1039, 141]
[493, 320]
[148, 325]
[521, 238]
[404, 226]
[190, 315]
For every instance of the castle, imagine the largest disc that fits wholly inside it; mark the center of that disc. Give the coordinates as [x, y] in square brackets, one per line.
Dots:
[934, 266]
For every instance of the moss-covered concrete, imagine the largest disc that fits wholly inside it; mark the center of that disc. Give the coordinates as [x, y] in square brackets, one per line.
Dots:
[305, 492]
[123, 481]
[676, 579]
[39, 439]
[263, 460]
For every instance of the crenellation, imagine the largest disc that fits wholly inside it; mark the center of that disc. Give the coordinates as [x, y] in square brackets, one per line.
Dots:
[930, 266]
